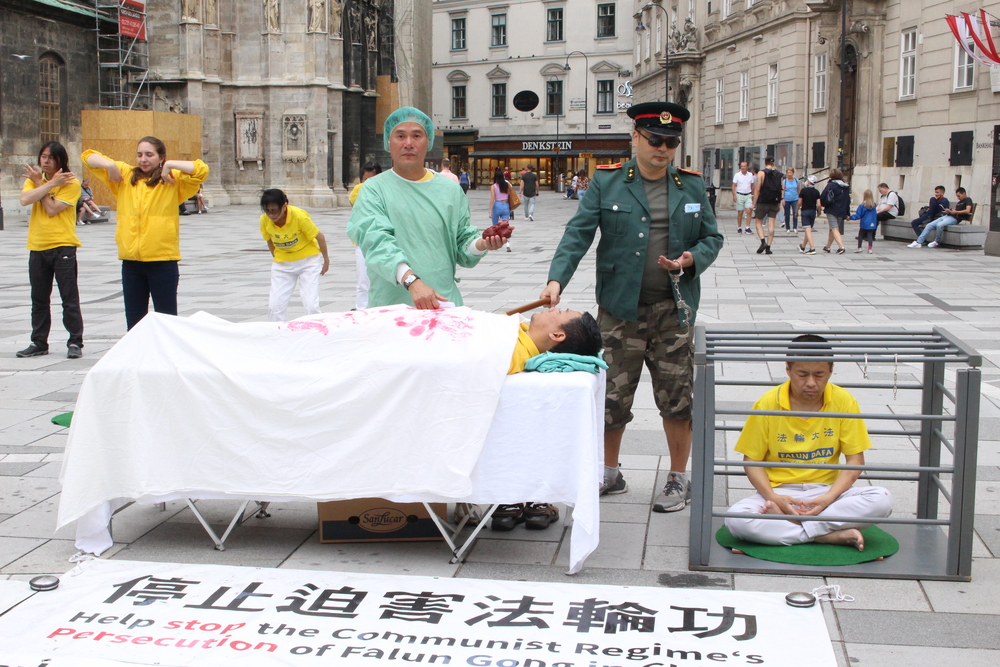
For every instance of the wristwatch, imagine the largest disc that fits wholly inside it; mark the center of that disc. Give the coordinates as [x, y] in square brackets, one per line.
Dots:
[409, 280]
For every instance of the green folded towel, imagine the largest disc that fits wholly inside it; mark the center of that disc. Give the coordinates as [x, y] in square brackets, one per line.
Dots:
[560, 362]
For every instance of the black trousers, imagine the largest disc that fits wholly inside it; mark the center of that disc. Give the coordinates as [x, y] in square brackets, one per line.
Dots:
[43, 266]
[885, 215]
[142, 280]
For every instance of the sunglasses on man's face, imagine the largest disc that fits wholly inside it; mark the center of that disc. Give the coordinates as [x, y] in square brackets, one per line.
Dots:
[656, 141]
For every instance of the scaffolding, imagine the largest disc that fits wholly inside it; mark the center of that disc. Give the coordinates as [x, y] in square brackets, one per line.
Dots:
[932, 546]
[123, 55]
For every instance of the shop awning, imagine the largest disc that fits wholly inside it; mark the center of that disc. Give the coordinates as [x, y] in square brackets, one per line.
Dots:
[597, 152]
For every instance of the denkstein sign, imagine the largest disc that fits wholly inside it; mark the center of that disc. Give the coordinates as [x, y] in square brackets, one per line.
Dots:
[546, 145]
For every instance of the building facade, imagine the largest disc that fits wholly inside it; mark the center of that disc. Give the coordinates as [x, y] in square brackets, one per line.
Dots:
[522, 82]
[292, 93]
[47, 77]
[763, 77]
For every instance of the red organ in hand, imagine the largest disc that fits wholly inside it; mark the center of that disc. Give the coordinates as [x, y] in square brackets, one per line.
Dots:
[501, 229]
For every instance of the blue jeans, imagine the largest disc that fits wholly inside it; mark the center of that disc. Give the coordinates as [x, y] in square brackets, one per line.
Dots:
[791, 214]
[142, 280]
[529, 205]
[501, 209]
[939, 225]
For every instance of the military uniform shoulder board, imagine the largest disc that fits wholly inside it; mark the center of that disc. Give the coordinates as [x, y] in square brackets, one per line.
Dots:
[609, 166]
[689, 171]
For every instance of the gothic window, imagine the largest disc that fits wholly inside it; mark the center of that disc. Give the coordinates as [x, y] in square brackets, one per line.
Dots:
[48, 98]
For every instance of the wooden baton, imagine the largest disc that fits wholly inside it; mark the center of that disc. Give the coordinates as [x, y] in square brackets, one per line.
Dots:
[529, 306]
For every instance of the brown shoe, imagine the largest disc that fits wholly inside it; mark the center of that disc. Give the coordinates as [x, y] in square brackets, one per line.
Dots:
[507, 516]
[538, 516]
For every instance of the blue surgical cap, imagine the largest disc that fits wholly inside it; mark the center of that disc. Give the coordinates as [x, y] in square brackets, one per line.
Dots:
[408, 115]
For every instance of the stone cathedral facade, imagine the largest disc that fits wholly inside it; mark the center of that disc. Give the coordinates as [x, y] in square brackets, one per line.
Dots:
[292, 93]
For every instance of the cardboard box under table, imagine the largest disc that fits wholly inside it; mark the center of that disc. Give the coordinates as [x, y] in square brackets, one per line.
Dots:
[378, 520]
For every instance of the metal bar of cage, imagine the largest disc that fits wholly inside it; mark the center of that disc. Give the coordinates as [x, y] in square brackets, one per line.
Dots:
[948, 555]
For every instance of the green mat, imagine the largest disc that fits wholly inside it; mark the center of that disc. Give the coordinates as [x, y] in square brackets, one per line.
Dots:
[63, 420]
[878, 544]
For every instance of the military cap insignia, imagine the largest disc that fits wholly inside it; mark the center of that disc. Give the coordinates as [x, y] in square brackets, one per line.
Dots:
[666, 117]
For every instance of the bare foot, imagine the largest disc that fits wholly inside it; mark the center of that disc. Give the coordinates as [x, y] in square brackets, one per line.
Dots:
[849, 536]
[770, 508]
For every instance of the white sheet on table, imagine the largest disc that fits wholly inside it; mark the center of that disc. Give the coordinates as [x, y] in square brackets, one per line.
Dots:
[378, 402]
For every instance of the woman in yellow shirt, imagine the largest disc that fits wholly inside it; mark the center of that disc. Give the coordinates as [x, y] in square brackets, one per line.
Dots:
[148, 231]
[52, 191]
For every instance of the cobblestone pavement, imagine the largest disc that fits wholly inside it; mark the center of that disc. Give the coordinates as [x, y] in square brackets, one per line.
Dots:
[225, 271]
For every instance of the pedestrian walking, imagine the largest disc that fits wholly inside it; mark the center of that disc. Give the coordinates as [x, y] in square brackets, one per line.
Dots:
[582, 183]
[836, 201]
[809, 198]
[743, 185]
[767, 203]
[867, 213]
[463, 180]
[529, 191]
[790, 187]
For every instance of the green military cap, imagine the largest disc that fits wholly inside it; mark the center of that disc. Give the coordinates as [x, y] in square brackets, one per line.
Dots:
[663, 118]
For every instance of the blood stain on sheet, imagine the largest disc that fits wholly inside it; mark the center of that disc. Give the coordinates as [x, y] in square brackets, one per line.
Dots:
[309, 325]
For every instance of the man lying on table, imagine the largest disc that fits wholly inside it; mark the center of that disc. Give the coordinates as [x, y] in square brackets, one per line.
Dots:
[800, 491]
[551, 330]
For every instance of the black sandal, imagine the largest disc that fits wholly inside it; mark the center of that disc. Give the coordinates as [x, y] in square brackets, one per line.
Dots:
[507, 516]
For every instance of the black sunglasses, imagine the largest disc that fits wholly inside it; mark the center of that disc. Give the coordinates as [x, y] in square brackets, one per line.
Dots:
[656, 141]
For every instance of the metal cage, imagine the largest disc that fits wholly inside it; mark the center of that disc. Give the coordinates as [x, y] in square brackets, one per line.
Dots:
[931, 547]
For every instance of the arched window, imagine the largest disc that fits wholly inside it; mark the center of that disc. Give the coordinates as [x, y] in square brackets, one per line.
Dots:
[48, 98]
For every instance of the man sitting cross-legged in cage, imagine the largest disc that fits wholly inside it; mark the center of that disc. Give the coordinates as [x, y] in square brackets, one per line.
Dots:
[801, 491]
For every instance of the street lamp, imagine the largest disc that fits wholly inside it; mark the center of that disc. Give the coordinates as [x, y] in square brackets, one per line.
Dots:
[666, 48]
[586, 114]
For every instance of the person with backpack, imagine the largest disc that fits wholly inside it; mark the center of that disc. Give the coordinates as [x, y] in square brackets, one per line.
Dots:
[767, 202]
[890, 204]
[836, 201]
[867, 214]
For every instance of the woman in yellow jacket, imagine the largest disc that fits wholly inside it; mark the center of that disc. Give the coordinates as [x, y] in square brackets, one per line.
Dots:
[148, 233]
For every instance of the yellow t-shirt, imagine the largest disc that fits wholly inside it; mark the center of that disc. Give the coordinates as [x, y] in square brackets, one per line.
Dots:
[524, 349]
[45, 231]
[294, 240]
[798, 440]
[354, 193]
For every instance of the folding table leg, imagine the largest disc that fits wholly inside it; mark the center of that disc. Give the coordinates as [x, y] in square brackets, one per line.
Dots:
[220, 544]
[445, 530]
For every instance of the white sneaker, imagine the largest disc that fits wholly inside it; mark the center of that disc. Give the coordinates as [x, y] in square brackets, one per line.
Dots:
[913, 245]
[857, 251]
[932, 244]
[870, 251]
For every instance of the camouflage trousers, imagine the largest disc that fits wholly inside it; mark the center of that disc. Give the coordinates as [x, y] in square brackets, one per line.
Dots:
[654, 340]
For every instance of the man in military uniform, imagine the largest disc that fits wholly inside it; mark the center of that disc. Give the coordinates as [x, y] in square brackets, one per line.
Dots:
[658, 235]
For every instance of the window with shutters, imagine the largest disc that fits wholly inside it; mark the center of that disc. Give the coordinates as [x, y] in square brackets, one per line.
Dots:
[719, 101]
[553, 98]
[888, 151]
[904, 151]
[819, 154]
[772, 89]
[961, 149]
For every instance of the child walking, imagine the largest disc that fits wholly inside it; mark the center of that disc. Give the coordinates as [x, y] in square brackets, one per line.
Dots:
[868, 216]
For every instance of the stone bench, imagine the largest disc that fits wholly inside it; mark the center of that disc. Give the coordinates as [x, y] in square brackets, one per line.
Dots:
[962, 235]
